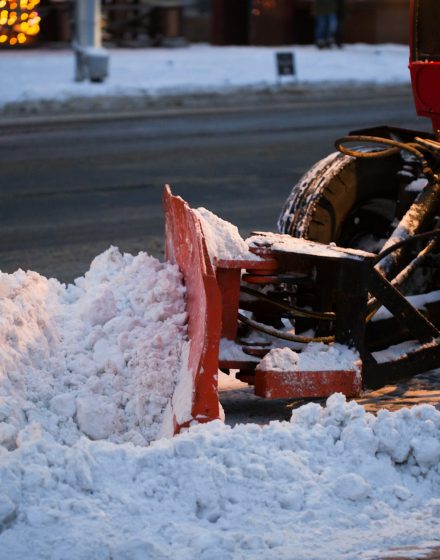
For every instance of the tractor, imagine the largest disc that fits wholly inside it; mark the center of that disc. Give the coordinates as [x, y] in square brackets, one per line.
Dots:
[351, 276]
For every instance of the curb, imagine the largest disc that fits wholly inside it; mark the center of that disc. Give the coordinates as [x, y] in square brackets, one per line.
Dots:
[104, 108]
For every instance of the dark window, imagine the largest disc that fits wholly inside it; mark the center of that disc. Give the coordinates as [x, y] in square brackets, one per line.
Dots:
[426, 30]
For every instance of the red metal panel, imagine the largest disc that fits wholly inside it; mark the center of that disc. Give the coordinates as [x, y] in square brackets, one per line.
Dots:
[424, 60]
[228, 278]
[306, 384]
[425, 78]
[229, 283]
[185, 246]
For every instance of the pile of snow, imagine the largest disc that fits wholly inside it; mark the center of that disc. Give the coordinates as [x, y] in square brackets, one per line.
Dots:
[316, 356]
[223, 239]
[86, 372]
[98, 358]
[231, 351]
[199, 68]
[335, 482]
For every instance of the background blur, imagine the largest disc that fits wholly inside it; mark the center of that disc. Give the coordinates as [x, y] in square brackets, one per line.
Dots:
[140, 23]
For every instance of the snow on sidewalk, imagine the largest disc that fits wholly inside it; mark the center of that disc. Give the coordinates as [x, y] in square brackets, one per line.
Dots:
[47, 76]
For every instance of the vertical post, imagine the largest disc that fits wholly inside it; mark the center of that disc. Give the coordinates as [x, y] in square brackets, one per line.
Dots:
[88, 30]
[228, 280]
[91, 60]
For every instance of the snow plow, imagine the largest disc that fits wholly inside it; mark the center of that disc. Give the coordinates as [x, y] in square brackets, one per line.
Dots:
[345, 295]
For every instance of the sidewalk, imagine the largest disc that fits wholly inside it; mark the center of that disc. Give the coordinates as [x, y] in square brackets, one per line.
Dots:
[40, 82]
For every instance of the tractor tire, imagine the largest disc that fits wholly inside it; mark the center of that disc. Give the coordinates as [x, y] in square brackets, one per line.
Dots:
[351, 202]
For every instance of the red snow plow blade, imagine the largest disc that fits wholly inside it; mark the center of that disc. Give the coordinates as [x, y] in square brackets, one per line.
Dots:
[213, 303]
[196, 397]
[238, 310]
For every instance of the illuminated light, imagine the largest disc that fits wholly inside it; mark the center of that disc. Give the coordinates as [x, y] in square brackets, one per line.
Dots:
[19, 20]
[262, 5]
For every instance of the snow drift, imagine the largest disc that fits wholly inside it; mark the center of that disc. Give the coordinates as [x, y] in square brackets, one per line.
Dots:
[335, 482]
[85, 373]
[99, 357]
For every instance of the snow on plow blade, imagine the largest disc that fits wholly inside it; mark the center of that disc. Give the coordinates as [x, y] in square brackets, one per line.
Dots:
[213, 296]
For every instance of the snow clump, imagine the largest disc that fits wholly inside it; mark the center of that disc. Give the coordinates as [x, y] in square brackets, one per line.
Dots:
[222, 238]
[98, 358]
[316, 356]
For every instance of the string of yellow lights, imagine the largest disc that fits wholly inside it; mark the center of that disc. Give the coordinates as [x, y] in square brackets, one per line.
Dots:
[19, 21]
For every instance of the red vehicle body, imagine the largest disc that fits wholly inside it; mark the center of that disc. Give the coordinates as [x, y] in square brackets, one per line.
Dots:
[425, 59]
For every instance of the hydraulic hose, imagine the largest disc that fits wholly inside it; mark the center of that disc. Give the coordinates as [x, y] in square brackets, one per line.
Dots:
[272, 331]
[394, 147]
[295, 311]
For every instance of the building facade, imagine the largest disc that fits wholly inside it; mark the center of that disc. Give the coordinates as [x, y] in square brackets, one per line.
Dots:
[279, 22]
[220, 22]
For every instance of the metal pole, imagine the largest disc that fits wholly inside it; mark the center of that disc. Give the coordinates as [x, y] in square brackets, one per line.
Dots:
[88, 30]
[91, 60]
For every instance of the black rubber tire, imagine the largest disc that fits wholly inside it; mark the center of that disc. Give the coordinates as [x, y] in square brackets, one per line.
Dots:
[326, 203]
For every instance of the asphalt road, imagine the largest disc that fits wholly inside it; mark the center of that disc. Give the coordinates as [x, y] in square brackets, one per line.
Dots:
[71, 189]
